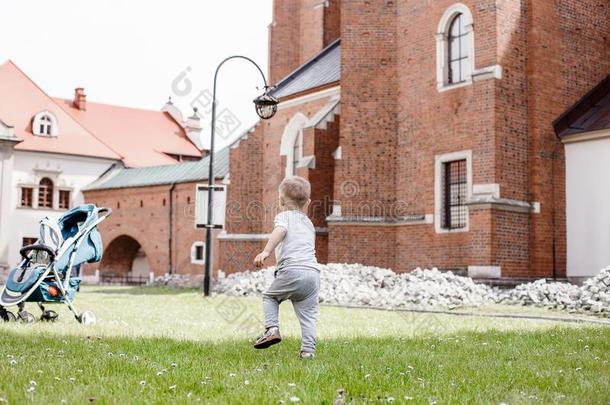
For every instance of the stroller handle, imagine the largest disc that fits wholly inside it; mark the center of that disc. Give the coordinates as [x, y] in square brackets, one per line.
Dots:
[104, 211]
[26, 249]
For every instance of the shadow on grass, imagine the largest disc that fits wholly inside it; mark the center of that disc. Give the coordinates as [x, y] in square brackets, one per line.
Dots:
[143, 290]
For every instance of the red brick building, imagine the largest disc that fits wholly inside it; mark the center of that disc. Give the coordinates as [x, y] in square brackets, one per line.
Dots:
[426, 131]
[152, 227]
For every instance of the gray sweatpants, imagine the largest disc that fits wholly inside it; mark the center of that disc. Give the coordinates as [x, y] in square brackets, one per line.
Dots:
[301, 286]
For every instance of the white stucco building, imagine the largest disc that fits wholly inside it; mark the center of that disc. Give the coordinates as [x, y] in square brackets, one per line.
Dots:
[51, 148]
[585, 133]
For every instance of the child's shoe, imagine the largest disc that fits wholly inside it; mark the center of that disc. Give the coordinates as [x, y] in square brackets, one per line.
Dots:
[269, 338]
[307, 355]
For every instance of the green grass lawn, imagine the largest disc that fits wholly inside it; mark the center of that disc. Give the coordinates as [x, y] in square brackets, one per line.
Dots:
[163, 346]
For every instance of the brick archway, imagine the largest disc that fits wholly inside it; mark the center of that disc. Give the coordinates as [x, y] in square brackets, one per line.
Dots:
[124, 255]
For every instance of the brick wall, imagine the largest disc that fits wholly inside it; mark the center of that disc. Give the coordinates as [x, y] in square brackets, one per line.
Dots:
[568, 53]
[300, 29]
[141, 220]
[394, 122]
[256, 172]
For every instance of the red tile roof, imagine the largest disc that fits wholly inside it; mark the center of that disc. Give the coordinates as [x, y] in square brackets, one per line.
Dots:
[22, 99]
[142, 137]
[138, 137]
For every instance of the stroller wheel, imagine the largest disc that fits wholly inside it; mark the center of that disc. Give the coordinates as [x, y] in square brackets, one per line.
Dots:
[87, 318]
[8, 316]
[26, 317]
[50, 316]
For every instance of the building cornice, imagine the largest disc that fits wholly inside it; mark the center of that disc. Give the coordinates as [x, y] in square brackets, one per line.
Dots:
[586, 136]
[333, 90]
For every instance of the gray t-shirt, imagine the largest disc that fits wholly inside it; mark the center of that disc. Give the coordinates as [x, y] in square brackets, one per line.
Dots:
[298, 249]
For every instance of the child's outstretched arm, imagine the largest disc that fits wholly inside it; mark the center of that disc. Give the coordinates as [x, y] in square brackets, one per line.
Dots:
[278, 234]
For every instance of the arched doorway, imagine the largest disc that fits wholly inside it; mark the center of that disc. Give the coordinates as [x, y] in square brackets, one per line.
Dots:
[124, 256]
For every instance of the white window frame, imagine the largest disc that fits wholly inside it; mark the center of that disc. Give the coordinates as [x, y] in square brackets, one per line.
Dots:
[295, 126]
[438, 185]
[194, 247]
[38, 121]
[442, 47]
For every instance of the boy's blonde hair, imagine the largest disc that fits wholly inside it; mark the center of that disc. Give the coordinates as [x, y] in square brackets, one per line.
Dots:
[296, 189]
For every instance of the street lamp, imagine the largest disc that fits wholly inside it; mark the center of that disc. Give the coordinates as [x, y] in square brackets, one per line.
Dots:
[266, 107]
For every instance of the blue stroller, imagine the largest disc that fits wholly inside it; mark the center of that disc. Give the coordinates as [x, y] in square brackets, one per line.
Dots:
[45, 273]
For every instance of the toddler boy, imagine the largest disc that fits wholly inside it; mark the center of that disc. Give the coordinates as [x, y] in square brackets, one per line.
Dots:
[297, 275]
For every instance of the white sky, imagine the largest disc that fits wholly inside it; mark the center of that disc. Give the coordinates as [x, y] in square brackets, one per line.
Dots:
[129, 52]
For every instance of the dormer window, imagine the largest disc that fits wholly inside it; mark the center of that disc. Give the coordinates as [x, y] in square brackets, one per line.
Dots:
[45, 124]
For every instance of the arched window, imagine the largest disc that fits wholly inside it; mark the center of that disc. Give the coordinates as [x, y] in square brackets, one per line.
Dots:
[297, 151]
[458, 51]
[455, 47]
[292, 142]
[44, 124]
[45, 193]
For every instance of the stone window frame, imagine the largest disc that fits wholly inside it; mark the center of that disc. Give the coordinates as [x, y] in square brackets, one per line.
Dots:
[52, 200]
[442, 47]
[23, 187]
[438, 184]
[34, 184]
[38, 121]
[194, 247]
[295, 126]
[70, 195]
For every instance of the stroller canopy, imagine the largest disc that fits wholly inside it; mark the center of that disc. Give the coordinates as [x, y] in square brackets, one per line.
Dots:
[72, 224]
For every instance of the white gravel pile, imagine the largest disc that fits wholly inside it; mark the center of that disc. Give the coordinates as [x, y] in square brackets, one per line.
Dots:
[592, 296]
[179, 281]
[352, 284]
[355, 284]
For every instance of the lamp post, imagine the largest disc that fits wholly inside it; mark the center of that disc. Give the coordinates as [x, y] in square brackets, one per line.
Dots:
[266, 107]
